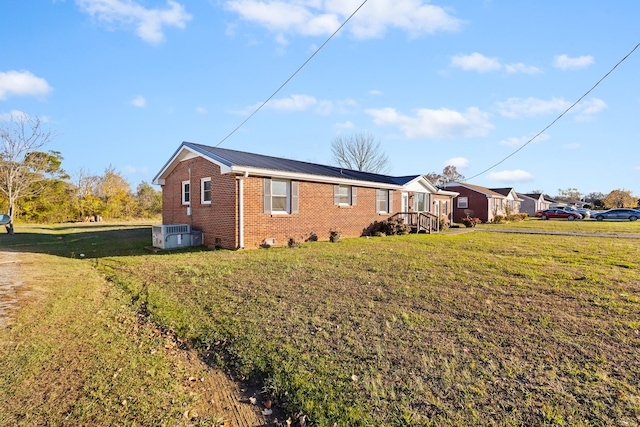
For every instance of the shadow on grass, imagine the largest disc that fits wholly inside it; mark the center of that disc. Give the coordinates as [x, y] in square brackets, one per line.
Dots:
[83, 241]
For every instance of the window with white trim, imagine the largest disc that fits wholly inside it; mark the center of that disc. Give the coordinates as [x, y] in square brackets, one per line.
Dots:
[280, 196]
[420, 201]
[463, 202]
[382, 201]
[344, 195]
[186, 192]
[444, 207]
[205, 191]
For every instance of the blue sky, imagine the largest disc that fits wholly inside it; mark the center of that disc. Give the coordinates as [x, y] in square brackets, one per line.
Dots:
[124, 82]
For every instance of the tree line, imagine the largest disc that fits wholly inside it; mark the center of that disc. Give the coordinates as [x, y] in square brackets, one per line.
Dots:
[35, 188]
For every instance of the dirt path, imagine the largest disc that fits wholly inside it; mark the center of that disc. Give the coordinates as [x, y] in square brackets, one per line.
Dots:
[9, 286]
[219, 394]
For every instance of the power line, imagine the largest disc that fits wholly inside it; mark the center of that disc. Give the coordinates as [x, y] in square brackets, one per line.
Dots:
[292, 75]
[557, 118]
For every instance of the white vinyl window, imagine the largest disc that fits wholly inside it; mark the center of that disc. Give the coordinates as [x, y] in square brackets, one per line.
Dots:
[205, 191]
[382, 201]
[420, 202]
[186, 192]
[344, 195]
[280, 196]
[463, 202]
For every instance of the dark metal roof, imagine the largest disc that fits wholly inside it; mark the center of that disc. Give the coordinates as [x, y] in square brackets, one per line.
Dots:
[503, 191]
[241, 158]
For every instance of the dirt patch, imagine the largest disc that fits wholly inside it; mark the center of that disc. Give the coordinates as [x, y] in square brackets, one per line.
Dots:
[217, 395]
[10, 285]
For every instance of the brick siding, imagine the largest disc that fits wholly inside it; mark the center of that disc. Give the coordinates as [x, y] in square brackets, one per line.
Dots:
[317, 213]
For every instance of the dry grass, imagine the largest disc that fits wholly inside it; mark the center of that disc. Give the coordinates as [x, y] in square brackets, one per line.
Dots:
[473, 329]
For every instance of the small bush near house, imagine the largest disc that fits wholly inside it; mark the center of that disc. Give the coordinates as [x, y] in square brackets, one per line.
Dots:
[498, 219]
[517, 217]
[313, 237]
[389, 227]
[334, 236]
[471, 222]
[293, 243]
[443, 223]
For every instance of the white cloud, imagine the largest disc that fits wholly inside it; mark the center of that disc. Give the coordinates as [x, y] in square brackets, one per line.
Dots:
[201, 110]
[475, 62]
[514, 108]
[148, 23]
[21, 83]
[572, 146]
[522, 68]
[292, 103]
[345, 125]
[442, 123]
[13, 115]
[564, 62]
[375, 92]
[139, 101]
[587, 109]
[459, 162]
[319, 18]
[511, 176]
[482, 64]
[520, 141]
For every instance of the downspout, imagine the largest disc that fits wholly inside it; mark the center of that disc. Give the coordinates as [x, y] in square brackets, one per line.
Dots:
[241, 209]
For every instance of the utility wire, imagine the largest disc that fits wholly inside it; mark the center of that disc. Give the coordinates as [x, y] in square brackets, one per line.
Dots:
[557, 118]
[292, 75]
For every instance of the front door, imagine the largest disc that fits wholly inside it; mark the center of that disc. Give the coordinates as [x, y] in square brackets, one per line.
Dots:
[405, 206]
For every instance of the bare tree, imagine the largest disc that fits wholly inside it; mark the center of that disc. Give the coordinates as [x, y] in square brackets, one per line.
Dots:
[449, 174]
[23, 168]
[360, 152]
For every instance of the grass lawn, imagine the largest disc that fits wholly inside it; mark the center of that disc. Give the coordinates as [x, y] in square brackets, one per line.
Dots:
[480, 328]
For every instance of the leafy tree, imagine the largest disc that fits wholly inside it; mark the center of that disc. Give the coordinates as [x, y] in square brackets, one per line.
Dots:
[54, 204]
[596, 199]
[149, 200]
[360, 152]
[115, 193]
[449, 174]
[24, 169]
[620, 199]
[569, 194]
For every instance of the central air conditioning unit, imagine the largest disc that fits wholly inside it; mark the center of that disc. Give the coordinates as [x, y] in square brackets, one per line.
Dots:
[171, 236]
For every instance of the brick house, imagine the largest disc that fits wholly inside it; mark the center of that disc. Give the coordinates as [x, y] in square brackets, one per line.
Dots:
[246, 200]
[477, 202]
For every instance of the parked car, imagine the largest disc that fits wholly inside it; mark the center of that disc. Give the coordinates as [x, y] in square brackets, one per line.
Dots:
[558, 213]
[586, 213]
[618, 213]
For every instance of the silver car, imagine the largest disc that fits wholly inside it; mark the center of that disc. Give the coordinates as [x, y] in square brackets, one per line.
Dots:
[618, 213]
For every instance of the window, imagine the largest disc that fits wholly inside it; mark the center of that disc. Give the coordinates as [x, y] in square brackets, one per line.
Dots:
[280, 196]
[463, 202]
[444, 208]
[383, 204]
[344, 195]
[205, 191]
[186, 192]
[420, 202]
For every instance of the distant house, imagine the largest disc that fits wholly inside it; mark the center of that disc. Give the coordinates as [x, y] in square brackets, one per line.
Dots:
[477, 202]
[533, 202]
[513, 201]
[246, 200]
